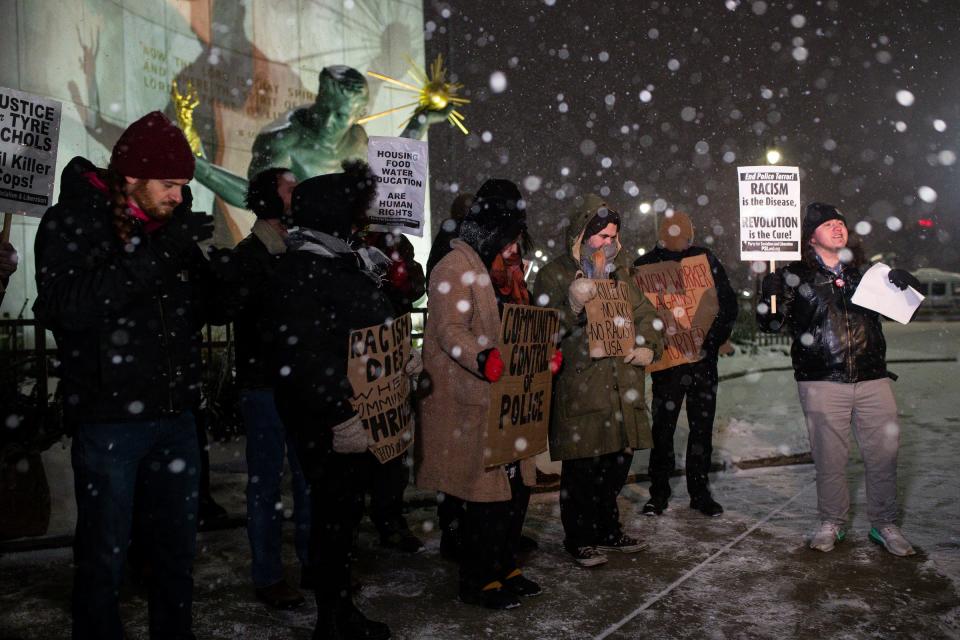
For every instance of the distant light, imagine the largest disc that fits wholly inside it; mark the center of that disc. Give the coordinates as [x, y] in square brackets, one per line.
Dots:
[926, 223]
[641, 251]
[644, 207]
[773, 156]
[538, 253]
[746, 294]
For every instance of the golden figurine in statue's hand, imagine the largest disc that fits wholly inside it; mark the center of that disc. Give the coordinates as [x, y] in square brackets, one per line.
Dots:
[185, 103]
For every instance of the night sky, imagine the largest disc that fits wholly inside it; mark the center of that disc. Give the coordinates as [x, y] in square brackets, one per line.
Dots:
[658, 102]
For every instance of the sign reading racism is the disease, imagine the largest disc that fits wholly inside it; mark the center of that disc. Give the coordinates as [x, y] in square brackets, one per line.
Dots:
[769, 213]
[381, 389]
[399, 166]
[610, 330]
[520, 401]
[29, 131]
[685, 298]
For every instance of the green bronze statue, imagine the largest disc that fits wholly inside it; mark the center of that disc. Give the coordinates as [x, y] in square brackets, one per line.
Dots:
[311, 140]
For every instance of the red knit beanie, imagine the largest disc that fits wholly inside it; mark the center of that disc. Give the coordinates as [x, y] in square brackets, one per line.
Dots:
[153, 148]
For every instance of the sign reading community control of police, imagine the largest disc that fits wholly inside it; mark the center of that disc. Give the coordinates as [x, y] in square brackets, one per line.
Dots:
[399, 166]
[381, 389]
[520, 401]
[29, 131]
[769, 213]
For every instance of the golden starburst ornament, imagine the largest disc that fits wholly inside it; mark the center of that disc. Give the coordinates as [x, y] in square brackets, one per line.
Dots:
[434, 93]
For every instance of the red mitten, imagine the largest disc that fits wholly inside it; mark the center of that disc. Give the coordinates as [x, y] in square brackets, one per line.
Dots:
[491, 364]
[556, 361]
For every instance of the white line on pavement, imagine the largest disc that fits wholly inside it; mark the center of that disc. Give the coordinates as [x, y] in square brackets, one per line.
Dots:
[692, 572]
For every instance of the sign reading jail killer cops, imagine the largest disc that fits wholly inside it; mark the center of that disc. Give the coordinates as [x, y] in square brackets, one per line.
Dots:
[520, 400]
[610, 330]
[769, 213]
[399, 166]
[29, 131]
[376, 357]
[685, 298]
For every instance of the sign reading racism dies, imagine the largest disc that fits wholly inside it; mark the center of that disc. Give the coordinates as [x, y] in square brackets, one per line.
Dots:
[29, 131]
[520, 401]
[381, 389]
[610, 330]
[684, 295]
[769, 213]
[399, 166]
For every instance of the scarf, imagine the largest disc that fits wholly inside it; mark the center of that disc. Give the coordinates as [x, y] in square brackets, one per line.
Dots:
[373, 263]
[272, 240]
[600, 263]
[149, 224]
[507, 277]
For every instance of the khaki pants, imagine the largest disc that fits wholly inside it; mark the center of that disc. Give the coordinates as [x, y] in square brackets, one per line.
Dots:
[829, 409]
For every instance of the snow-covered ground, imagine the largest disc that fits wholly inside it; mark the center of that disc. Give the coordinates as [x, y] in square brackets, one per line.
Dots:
[746, 574]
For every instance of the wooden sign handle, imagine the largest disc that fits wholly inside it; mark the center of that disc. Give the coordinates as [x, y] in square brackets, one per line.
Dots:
[773, 298]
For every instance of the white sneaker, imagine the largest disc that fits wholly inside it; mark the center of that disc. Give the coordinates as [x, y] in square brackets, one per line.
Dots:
[826, 536]
[892, 540]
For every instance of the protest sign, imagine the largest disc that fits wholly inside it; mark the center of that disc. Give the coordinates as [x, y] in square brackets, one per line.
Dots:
[685, 298]
[29, 131]
[399, 166]
[519, 411]
[376, 357]
[610, 330]
[769, 213]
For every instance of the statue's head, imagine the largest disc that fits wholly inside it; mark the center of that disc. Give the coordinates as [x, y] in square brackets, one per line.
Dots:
[343, 95]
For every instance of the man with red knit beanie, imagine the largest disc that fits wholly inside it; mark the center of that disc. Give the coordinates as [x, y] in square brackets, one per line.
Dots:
[125, 290]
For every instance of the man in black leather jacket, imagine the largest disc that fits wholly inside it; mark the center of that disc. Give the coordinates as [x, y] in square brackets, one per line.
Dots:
[839, 362]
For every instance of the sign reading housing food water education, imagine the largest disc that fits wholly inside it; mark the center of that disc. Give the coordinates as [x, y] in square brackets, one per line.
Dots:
[376, 358]
[685, 298]
[769, 213]
[520, 401]
[399, 166]
[29, 132]
[610, 330]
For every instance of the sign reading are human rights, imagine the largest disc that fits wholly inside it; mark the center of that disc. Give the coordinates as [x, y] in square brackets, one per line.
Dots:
[381, 390]
[29, 132]
[685, 298]
[769, 213]
[519, 412]
[399, 166]
[610, 330]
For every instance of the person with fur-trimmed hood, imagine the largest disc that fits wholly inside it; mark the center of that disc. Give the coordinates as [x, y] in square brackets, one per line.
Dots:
[598, 417]
[467, 289]
[695, 381]
[322, 289]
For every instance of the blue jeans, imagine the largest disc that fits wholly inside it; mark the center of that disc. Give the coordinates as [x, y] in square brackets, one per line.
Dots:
[266, 439]
[158, 461]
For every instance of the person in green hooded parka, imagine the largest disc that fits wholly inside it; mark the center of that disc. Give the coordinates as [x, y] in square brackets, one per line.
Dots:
[599, 416]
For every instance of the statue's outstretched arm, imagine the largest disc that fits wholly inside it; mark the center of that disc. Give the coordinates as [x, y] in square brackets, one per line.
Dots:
[422, 119]
[226, 184]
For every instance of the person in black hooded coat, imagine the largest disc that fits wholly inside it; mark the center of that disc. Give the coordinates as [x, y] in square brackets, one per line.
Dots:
[320, 291]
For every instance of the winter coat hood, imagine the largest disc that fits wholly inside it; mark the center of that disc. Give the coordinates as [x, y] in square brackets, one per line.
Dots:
[584, 209]
[497, 217]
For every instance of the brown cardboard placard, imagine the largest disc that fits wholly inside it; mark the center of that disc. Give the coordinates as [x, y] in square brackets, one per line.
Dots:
[519, 410]
[610, 330]
[375, 361]
[685, 298]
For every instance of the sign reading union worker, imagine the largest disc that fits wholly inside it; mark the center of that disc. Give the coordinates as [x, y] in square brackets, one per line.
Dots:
[381, 389]
[769, 213]
[29, 131]
[399, 166]
[520, 401]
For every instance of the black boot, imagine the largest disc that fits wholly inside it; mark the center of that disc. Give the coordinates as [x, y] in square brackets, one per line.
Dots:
[343, 621]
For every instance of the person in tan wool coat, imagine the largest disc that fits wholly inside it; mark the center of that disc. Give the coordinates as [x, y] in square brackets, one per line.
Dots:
[467, 290]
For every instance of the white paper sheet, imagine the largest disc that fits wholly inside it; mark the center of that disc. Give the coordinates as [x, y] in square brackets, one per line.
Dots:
[877, 293]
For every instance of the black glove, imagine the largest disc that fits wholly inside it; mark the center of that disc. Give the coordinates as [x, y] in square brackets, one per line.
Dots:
[772, 285]
[903, 279]
[184, 230]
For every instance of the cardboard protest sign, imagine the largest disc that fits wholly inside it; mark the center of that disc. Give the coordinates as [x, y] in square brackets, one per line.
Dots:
[29, 132]
[400, 168]
[610, 330]
[519, 411]
[769, 213]
[685, 298]
[376, 356]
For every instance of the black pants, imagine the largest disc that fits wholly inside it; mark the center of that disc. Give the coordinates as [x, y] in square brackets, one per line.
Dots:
[588, 498]
[697, 382]
[489, 535]
[387, 484]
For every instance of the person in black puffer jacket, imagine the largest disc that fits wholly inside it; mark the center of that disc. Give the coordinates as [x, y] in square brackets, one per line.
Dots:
[839, 362]
[125, 290]
[320, 291]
